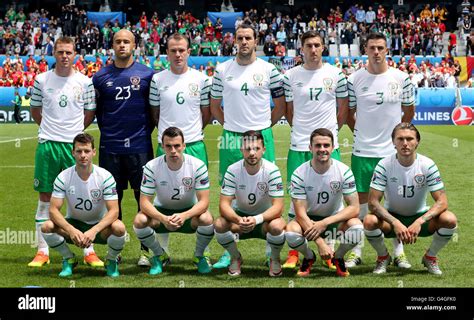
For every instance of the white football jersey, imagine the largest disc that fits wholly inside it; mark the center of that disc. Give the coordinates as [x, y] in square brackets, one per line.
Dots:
[405, 188]
[253, 193]
[85, 199]
[174, 189]
[314, 94]
[62, 101]
[180, 98]
[323, 192]
[245, 91]
[379, 100]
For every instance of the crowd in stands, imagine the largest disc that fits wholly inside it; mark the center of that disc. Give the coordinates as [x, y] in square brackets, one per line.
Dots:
[34, 33]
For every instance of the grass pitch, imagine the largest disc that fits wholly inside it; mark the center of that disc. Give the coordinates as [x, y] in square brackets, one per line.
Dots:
[450, 147]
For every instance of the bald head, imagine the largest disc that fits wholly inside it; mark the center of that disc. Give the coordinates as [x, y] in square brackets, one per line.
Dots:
[124, 33]
[123, 45]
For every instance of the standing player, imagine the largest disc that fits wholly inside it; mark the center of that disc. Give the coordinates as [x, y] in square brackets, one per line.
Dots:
[251, 204]
[317, 189]
[124, 118]
[377, 95]
[174, 198]
[63, 105]
[92, 209]
[316, 96]
[246, 84]
[180, 98]
[404, 180]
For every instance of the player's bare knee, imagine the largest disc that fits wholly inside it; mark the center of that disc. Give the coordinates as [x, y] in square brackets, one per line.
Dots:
[140, 220]
[221, 225]
[447, 220]
[276, 226]
[370, 222]
[293, 226]
[353, 222]
[118, 228]
[47, 227]
[205, 219]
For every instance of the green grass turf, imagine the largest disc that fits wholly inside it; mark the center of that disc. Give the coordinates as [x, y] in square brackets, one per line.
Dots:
[450, 147]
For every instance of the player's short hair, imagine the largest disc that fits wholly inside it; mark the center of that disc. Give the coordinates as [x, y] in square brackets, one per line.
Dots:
[252, 135]
[406, 126]
[311, 34]
[67, 40]
[83, 138]
[245, 25]
[172, 132]
[376, 36]
[177, 36]
[321, 132]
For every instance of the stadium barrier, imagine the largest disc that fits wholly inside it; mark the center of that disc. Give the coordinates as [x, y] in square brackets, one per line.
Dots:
[434, 106]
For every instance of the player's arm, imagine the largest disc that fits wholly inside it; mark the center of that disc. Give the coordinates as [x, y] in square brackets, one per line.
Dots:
[199, 207]
[155, 116]
[289, 113]
[279, 109]
[375, 207]
[342, 111]
[109, 218]
[206, 116]
[408, 101]
[277, 90]
[349, 212]
[440, 206]
[89, 116]
[216, 110]
[408, 113]
[59, 221]
[301, 207]
[351, 119]
[225, 209]
[36, 114]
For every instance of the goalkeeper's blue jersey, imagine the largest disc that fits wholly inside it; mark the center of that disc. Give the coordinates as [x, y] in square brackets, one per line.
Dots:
[123, 109]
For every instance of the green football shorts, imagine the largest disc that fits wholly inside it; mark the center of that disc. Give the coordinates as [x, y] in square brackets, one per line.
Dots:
[297, 158]
[196, 149]
[51, 158]
[229, 149]
[363, 170]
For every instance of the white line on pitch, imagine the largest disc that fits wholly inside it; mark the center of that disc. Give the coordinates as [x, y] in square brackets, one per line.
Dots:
[35, 137]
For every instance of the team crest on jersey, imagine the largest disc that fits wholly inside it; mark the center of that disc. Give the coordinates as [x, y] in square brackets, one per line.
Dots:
[135, 80]
[335, 186]
[96, 194]
[328, 84]
[193, 89]
[77, 91]
[187, 182]
[419, 179]
[71, 190]
[393, 89]
[258, 78]
[262, 186]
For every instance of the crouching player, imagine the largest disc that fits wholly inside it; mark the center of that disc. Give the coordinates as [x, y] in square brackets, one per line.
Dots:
[317, 189]
[92, 209]
[251, 204]
[404, 180]
[174, 198]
